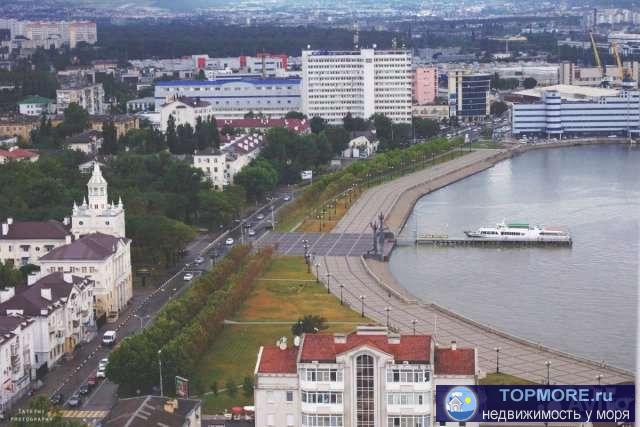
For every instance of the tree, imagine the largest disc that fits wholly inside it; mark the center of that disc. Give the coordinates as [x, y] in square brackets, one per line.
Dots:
[309, 324]
[295, 115]
[231, 387]
[41, 413]
[425, 128]
[338, 138]
[529, 83]
[498, 108]
[186, 139]
[9, 276]
[247, 386]
[76, 119]
[201, 75]
[257, 179]
[214, 388]
[352, 124]
[109, 138]
[172, 137]
[317, 124]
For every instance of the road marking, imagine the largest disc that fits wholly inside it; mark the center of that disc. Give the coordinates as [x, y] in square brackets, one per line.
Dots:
[83, 414]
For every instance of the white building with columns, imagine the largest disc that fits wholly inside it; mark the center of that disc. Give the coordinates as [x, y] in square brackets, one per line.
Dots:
[23, 242]
[96, 214]
[368, 378]
[361, 82]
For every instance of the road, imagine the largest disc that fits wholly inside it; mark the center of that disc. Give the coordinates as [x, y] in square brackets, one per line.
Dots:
[67, 378]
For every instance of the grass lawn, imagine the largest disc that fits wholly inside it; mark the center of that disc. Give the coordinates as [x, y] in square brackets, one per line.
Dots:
[285, 293]
[503, 379]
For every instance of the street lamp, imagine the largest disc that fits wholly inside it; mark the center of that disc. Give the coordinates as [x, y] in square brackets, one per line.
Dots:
[160, 366]
[387, 309]
[341, 287]
[317, 272]
[362, 301]
[141, 319]
[497, 350]
[413, 322]
[328, 277]
[548, 364]
[599, 378]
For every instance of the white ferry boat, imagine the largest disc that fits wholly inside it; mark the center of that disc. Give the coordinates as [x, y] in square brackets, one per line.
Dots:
[520, 232]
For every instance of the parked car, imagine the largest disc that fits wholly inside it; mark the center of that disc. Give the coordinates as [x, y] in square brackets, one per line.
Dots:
[109, 338]
[187, 277]
[199, 260]
[103, 362]
[229, 241]
[102, 372]
[287, 198]
[251, 232]
[84, 389]
[57, 399]
[74, 401]
[260, 216]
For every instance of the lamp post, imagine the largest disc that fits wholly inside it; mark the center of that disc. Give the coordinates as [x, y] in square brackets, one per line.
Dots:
[317, 272]
[497, 350]
[548, 364]
[309, 262]
[328, 277]
[362, 301]
[599, 378]
[341, 288]
[387, 309]
[141, 319]
[160, 366]
[413, 322]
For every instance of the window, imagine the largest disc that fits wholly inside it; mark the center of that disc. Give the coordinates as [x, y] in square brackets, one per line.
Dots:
[404, 374]
[269, 397]
[408, 421]
[289, 396]
[271, 420]
[290, 420]
[365, 391]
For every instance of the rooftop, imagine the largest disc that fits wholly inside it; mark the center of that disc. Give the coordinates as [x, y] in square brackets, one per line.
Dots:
[274, 360]
[26, 230]
[569, 91]
[35, 99]
[150, 411]
[454, 361]
[295, 125]
[95, 246]
[18, 153]
[228, 80]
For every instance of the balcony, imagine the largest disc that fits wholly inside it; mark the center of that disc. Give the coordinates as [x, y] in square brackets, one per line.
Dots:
[322, 408]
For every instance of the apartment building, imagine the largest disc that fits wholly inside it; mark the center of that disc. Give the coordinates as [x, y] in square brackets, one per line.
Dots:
[184, 111]
[51, 33]
[370, 378]
[87, 95]
[425, 85]
[36, 106]
[23, 242]
[362, 82]
[17, 364]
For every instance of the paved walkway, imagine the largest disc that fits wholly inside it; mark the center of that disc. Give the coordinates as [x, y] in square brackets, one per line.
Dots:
[380, 290]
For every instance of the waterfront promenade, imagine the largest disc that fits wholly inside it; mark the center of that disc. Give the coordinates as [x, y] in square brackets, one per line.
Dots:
[369, 284]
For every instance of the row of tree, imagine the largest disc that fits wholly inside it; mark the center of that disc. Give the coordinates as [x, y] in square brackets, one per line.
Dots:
[185, 328]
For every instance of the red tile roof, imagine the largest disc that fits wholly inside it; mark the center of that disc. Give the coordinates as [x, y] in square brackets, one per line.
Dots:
[19, 230]
[18, 153]
[460, 361]
[322, 348]
[276, 361]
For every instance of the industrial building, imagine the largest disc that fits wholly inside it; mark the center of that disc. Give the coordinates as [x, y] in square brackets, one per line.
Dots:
[556, 115]
[361, 82]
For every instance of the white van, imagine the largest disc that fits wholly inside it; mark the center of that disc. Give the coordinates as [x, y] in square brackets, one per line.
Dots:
[109, 338]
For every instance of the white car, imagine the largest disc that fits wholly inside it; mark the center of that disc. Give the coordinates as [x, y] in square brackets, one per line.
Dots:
[229, 241]
[199, 260]
[260, 217]
[102, 372]
[187, 277]
[103, 363]
[251, 232]
[287, 198]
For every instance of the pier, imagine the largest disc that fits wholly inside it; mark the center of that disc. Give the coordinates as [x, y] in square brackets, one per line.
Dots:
[443, 240]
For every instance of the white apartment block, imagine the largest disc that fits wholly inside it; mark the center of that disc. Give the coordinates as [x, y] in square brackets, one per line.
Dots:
[369, 378]
[184, 111]
[52, 33]
[220, 166]
[61, 306]
[23, 242]
[17, 364]
[362, 83]
[88, 96]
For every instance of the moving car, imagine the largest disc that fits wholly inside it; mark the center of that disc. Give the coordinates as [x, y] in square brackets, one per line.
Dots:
[56, 399]
[74, 401]
[187, 277]
[287, 198]
[229, 241]
[109, 338]
[102, 372]
[252, 232]
[84, 389]
[260, 216]
[199, 260]
[103, 362]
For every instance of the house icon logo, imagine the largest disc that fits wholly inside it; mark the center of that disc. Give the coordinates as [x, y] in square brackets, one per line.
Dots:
[461, 404]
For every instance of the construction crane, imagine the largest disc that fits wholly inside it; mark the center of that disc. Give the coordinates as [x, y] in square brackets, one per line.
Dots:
[596, 55]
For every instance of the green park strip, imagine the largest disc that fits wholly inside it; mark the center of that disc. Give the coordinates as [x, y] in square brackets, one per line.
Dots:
[503, 379]
[232, 356]
[346, 185]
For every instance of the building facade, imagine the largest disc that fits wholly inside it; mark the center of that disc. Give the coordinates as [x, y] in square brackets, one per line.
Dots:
[425, 85]
[88, 96]
[23, 242]
[369, 378]
[233, 97]
[36, 106]
[185, 111]
[556, 117]
[362, 83]
[469, 95]
[17, 365]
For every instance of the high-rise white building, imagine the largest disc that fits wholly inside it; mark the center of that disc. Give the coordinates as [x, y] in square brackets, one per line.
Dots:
[369, 378]
[362, 82]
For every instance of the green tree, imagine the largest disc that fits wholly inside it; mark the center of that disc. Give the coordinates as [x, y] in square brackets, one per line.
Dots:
[529, 83]
[171, 135]
[201, 75]
[247, 386]
[425, 128]
[497, 108]
[76, 119]
[9, 276]
[41, 413]
[338, 138]
[295, 115]
[231, 387]
[309, 324]
[317, 124]
[214, 388]
[109, 138]
[257, 179]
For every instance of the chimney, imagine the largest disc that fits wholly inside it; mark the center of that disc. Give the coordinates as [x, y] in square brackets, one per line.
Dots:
[67, 239]
[9, 221]
[66, 276]
[66, 220]
[340, 338]
[46, 293]
[32, 278]
[5, 228]
[453, 345]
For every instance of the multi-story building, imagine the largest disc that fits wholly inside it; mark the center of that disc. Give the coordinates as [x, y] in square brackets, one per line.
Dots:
[572, 74]
[220, 166]
[17, 154]
[425, 85]
[82, 32]
[262, 125]
[20, 126]
[598, 115]
[35, 106]
[97, 214]
[17, 366]
[88, 96]
[51, 33]
[233, 97]
[61, 305]
[23, 242]
[369, 378]
[469, 95]
[184, 111]
[122, 122]
[363, 83]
